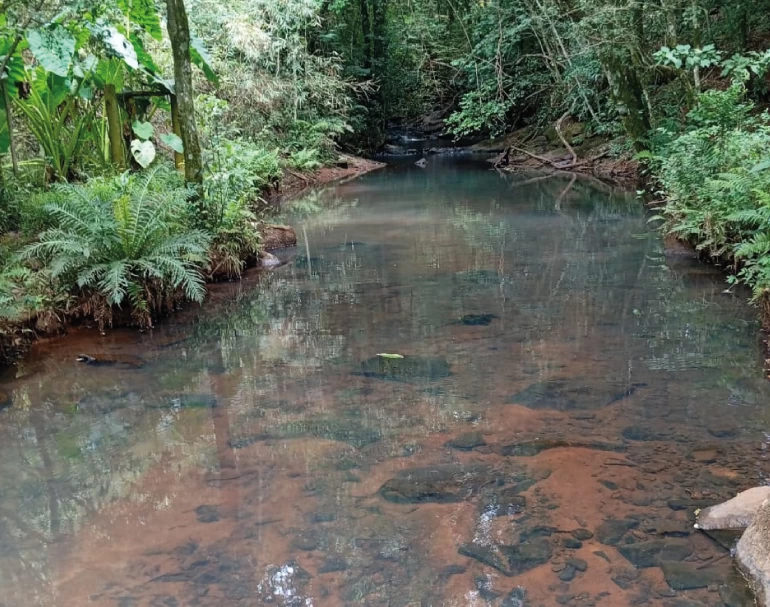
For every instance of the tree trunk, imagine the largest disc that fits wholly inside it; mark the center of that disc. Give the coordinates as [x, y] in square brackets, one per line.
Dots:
[179, 34]
[379, 48]
[366, 32]
[9, 122]
[628, 94]
[114, 127]
[178, 158]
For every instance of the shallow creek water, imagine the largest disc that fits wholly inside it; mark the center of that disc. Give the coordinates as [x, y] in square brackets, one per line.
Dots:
[569, 395]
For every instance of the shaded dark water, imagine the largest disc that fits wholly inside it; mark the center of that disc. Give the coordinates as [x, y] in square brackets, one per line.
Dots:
[567, 396]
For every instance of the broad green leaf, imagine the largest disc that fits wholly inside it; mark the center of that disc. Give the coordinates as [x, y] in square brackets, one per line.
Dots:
[14, 70]
[53, 47]
[173, 141]
[762, 166]
[143, 152]
[144, 58]
[116, 42]
[384, 355]
[144, 14]
[200, 57]
[143, 130]
[110, 71]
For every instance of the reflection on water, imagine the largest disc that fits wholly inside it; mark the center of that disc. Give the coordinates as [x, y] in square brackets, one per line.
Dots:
[567, 396]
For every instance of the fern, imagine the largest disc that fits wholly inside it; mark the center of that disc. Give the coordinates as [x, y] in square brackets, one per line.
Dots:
[124, 240]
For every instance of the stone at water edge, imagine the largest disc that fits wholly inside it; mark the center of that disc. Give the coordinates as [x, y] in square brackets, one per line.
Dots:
[268, 260]
[737, 513]
[753, 554]
[277, 237]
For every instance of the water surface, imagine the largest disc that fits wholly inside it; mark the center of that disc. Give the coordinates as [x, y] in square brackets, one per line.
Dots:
[568, 395]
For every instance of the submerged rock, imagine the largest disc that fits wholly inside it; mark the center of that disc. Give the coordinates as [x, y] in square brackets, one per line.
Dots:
[406, 369]
[557, 394]
[611, 531]
[653, 552]
[515, 598]
[504, 502]
[343, 430]
[753, 554]
[567, 395]
[510, 560]
[528, 555]
[207, 514]
[487, 555]
[477, 320]
[640, 433]
[467, 441]
[119, 362]
[442, 484]
[186, 401]
[529, 448]
[481, 277]
[582, 534]
[722, 428]
[687, 576]
[736, 513]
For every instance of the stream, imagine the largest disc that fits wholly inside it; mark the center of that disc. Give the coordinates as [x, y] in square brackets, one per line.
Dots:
[558, 395]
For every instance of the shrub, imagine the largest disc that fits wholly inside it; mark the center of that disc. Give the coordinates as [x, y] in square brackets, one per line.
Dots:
[124, 239]
[716, 178]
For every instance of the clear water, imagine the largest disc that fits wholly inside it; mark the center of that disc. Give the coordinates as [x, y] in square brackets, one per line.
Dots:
[561, 373]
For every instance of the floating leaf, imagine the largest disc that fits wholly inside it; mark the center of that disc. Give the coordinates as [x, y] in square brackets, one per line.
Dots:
[385, 355]
[143, 152]
[173, 141]
[143, 130]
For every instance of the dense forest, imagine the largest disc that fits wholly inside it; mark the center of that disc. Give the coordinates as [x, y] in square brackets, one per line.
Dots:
[138, 140]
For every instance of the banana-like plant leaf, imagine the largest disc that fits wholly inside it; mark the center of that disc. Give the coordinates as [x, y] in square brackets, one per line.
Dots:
[143, 130]
[173, 141]
[144, 58]
[53, 47]
[143, 152]
[200, 56]
[143, 14]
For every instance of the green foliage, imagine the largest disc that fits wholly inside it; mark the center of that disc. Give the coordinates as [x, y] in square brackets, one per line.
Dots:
[305, 160]
[53, 47]
[715, 178]
[124, 240]
[52, 115]
[144, 14]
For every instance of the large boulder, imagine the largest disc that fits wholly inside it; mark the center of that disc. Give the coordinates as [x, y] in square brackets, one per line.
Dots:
[277, 237]
[737, 513]
[753, 554]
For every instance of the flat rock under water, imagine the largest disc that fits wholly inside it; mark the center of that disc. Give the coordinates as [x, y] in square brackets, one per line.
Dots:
[405, 369]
